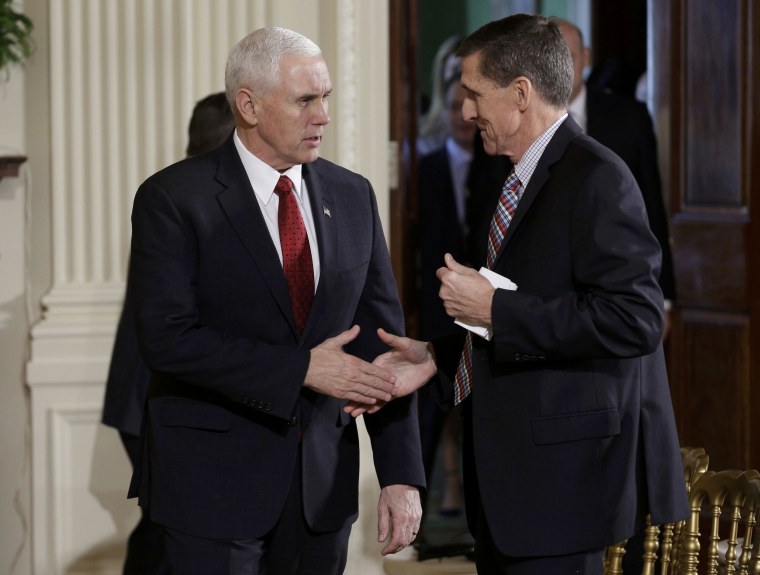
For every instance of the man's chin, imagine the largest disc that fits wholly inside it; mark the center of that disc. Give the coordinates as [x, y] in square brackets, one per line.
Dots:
[310, 156]
[489, 147]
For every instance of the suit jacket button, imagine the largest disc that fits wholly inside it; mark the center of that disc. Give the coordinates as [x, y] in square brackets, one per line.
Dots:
[267, 406]
[292, 421]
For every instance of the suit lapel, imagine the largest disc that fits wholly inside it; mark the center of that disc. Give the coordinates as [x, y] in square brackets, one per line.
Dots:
[325, 217]
[552, 154]
[239, 203]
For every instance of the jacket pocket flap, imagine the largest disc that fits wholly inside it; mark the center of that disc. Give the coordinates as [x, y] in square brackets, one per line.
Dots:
[575, 426]
[194, 415]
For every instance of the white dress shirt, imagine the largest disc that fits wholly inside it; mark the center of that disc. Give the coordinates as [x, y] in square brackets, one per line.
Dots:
[263, 179]
[459, 164]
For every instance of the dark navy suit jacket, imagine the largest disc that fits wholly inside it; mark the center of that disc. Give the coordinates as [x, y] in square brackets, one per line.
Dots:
[128, 377]
[624, 126]
[226, 403]
[573, 434]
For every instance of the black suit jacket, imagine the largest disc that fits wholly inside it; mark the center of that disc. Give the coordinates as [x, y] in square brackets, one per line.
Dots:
[128, 377]
[624, 126]
[573, 434]
[227, 403]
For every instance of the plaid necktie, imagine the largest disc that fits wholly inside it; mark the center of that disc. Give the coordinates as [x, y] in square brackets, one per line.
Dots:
[496, 231]
[296, 253]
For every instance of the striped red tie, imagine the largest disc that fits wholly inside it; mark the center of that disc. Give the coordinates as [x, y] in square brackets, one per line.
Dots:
[296, 253]
[496, 231]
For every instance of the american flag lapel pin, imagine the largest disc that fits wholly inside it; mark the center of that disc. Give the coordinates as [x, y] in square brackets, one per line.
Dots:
[326, 211]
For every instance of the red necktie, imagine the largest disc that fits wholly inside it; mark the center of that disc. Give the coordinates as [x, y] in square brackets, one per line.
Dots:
[496, 231]
[296, 253]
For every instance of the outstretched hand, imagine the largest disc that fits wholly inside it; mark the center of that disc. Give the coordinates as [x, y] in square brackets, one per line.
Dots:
[409, 360]
[411, 364]
[341, 375]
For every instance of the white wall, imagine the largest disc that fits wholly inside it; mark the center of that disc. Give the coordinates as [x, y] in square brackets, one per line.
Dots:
[103, 103]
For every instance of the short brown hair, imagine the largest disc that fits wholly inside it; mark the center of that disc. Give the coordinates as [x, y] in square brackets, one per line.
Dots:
[527, 45]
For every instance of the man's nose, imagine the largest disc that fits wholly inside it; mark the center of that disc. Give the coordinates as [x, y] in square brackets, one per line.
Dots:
[321, 116]
[468, 110]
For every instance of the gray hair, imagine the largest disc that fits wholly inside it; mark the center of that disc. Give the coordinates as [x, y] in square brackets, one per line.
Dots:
[254, 62]
[524, 45]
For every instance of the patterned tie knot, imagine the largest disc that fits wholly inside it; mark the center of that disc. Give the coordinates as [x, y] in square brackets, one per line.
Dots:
[505, 209]
[512, 183]
[284, 185]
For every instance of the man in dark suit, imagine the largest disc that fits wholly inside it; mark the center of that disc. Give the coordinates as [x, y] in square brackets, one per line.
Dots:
[624, 125]
[127, 385]
[252, 268]
[567, 409]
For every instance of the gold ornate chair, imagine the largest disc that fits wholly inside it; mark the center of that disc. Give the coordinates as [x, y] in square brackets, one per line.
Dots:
[727, 504]
[661, 542]
[695, 462]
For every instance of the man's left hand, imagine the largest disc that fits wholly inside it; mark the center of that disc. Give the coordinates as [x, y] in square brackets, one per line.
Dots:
[466, 294]
[399, 515]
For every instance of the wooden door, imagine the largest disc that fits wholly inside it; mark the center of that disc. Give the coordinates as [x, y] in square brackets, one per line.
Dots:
[705, 91]
[403, 134]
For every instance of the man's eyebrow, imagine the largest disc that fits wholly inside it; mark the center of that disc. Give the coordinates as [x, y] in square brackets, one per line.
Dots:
[468, 89]
[314, 95]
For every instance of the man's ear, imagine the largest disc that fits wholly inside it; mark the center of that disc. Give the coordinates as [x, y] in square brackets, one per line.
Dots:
[245, 103]
[522, 92]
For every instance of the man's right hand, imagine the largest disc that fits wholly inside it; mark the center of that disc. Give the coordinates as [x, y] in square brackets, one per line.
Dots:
[412, 362]
[338, 374]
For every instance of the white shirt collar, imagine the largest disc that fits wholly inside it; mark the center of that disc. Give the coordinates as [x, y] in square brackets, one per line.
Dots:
[529, 161]
[262, 176]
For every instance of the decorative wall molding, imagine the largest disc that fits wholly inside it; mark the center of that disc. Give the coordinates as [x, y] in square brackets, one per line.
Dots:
[347, 82]
[72, 513]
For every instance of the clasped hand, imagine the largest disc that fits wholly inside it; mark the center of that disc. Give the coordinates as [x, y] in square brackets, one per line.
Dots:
[466, 295]
[409, 360]
[409, 364]
[338, 374]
